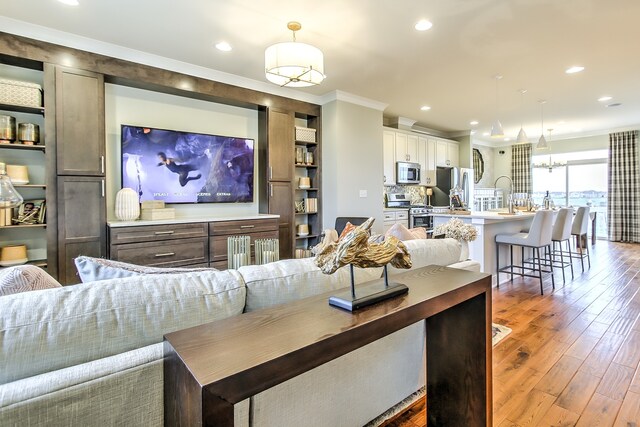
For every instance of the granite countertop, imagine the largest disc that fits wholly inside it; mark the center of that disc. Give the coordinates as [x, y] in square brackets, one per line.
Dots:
[495, 216]
[116, 223]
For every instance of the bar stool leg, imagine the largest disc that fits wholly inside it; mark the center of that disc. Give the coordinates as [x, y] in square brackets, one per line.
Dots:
[511, 258]
[580, 248]
[497, 265]
[537, 251]
[561, 261]
[588, 259]
[553, 281]
[570, 259]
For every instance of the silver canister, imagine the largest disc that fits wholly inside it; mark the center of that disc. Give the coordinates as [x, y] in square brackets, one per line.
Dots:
[7, 129]
[29, 133]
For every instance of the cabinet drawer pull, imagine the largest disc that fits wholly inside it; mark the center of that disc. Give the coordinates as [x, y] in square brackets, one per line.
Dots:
[165, 254]
[101, 164]
[160, 233]
[247, 226]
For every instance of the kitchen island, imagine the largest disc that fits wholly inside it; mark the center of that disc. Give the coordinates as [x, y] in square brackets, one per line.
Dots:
[489, 224]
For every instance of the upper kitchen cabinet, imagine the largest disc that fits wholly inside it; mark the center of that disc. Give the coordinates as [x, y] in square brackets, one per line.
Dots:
[447, 153]
[80, 131]
[388, 157]
[427, 160]
[406, 148]
[280, 152]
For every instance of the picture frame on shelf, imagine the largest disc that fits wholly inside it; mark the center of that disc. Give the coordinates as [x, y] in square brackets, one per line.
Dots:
[31, 212]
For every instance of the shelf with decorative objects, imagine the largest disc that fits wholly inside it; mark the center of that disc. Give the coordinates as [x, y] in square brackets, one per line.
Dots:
[307, 186]
[22, 149]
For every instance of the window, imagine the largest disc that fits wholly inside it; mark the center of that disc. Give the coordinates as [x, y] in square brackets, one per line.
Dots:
[582, 181]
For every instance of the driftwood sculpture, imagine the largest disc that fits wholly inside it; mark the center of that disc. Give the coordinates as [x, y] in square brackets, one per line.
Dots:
[356, 249]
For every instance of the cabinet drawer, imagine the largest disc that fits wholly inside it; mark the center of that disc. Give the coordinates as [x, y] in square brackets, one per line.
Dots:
[402, 216]
[218, 244]
[389, 216]
[154, 233]
[242, 227]
[172, 253]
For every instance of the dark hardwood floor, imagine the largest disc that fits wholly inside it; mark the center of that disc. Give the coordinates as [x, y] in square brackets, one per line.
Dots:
[573, 358]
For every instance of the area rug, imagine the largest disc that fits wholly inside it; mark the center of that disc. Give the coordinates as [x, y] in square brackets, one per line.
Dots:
[499, 332]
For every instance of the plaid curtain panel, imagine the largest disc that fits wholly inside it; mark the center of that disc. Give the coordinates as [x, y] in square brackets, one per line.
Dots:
[521, 168]
[624, 188]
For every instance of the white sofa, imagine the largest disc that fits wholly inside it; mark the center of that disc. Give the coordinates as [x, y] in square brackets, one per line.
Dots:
[91, 354]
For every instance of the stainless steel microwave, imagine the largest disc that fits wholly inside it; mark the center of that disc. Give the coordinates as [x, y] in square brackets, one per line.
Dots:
[407, 173]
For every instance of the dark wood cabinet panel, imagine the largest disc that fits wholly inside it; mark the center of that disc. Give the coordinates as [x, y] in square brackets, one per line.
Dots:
[80, 131]
[280, 153]
[242, 226]
[81, 222]
[172, 253]
[281, 203]
[156, 233]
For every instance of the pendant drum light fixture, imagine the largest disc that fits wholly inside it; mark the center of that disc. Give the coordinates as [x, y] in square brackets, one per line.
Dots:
[542, 142]
[522, 135]
[294, 64]
[496, 128]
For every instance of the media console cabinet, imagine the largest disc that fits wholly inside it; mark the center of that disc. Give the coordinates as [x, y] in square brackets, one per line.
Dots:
[204, 377]
[187, 242]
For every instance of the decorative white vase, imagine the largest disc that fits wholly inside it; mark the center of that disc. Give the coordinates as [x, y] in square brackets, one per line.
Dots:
[464, 252]
[127, 205]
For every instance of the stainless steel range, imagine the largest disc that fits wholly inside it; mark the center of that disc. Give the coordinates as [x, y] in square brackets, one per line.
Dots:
[420, 216]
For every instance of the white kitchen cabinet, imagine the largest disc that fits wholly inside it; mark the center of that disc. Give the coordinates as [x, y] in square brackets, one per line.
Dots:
[395, 217]
[447, 153]
[406, 148]
[427, 160]
[388, 157]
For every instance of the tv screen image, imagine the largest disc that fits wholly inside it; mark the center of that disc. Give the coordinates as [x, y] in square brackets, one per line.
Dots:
[187, 167]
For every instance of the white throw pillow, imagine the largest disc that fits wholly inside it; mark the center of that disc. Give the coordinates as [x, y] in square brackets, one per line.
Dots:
[23, 278]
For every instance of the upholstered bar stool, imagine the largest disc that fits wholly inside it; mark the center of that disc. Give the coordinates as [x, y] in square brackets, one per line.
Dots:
[538, 236]
[562, 233]
[579, 229]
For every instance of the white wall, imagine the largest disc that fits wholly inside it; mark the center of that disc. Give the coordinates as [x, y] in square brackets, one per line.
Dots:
[351, 162]
[125, 105]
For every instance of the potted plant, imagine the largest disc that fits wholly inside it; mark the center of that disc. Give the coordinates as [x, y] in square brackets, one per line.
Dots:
[456, 229]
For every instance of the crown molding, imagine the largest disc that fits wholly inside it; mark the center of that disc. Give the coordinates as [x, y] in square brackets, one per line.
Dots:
[50, 35]
[339, 95]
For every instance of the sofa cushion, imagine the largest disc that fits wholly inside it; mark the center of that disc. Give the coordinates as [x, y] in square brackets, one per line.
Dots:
[431, 252]
[292, 279]
[400, 231]
[22, 278]
[55, 328]
[91, 269]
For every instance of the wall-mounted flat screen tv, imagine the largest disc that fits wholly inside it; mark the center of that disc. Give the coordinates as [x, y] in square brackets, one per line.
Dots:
[187, 167]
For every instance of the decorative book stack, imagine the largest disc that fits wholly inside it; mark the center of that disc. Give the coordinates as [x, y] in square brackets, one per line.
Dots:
[154, 210]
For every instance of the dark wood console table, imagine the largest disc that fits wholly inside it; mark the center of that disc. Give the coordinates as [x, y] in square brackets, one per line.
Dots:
[209, 368]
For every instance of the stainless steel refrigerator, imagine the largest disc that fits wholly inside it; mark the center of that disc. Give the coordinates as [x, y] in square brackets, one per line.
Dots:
[448, 178]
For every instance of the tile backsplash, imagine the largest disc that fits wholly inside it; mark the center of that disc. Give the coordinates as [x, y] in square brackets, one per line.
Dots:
[417, 193]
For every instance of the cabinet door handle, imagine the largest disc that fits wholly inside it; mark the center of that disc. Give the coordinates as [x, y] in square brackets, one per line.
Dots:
[102, 187]
[102, 164]
[247, 226]
[270, 172]
[165, 254]
[271, 190]
[159, 233]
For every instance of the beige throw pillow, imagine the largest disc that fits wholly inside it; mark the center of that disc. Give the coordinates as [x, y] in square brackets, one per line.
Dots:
[23, 278]
[400, 231]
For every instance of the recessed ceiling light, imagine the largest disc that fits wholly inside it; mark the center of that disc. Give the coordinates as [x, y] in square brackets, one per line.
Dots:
[69, 2]
[473, 122]
[423, 25]
[604, 99]
[574, 69]
[425, 108]
[473, 132]
[615, 104]
[486, 134]
[507, 139]
[224, 46]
